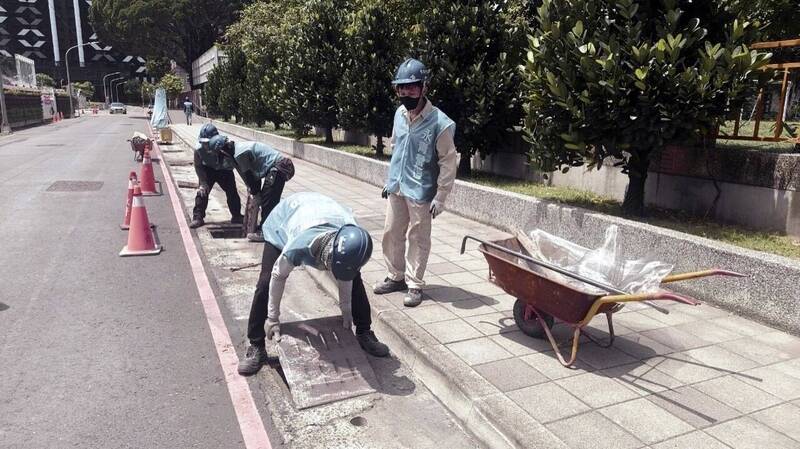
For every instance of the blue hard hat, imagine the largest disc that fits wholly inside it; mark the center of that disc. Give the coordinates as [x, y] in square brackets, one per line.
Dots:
[411, 71]
[208, 131]
[217, 142]
[352, 248]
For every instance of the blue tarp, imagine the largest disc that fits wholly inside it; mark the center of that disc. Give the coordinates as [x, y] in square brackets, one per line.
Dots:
[160, 117]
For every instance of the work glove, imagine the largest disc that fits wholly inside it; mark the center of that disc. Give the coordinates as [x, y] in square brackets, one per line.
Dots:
[273, 329]
[437, 207]
[385, 193]
[202, 192]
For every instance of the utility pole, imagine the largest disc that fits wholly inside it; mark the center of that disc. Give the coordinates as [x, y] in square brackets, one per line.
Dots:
[105, 91]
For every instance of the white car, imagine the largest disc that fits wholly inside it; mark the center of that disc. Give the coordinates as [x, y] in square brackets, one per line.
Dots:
[117, 108]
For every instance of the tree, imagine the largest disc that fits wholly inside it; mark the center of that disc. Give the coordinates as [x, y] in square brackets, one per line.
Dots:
[86, 88]
[224, 87]
[179, 29]
[778, 19]
[172, 84]
[261, 35]
[314, 65]
[133, 91]
[371, 47]
[148, 91]
[620, 79]
[157, 67]
[472, 50]
[44, 80]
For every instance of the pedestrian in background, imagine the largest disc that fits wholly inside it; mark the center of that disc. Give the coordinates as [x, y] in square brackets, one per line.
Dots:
[421, 174]
[188, 109]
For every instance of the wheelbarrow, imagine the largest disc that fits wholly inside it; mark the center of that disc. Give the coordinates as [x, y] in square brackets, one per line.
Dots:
[541, 299]
[138, 145]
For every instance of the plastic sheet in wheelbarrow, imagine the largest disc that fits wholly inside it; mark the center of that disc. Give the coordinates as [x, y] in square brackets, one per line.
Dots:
[606, 264]
[323, 362]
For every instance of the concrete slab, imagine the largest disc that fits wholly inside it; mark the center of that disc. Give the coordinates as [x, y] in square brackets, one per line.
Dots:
[510, 374]
[692, 440]
[547, 402]
[773, 381]
[451, 331]
[546, 363]
[478, 351]
[520, 344]
[493, 323]
[642, 378]
[738, 394]
[429, 313]
[597, 390]
[593, 431]
[646, 421]
[747, 433]
[693, 407]
[784, 418]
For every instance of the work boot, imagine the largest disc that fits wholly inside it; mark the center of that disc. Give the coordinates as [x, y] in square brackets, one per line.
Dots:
[413, 297]
[237, 219]
[257, 237]
[370, 344]
[389, 285]
[255, 358]
[196, 223]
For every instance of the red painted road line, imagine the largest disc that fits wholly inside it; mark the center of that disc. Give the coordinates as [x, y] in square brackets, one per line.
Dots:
[250, 423]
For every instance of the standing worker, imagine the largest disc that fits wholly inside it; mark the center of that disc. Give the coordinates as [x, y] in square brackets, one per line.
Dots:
[310, 229]
[264, 171]
[421, 174]
[211, 169]
[188, 109]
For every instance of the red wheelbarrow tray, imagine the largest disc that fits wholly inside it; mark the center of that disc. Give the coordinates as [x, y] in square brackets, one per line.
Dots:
[541, 299]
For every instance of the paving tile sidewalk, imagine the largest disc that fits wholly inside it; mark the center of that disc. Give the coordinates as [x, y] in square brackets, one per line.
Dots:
[696, 377]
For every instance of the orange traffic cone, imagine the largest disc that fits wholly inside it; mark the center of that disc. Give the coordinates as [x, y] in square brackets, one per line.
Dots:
[126, 223]
[147, 180]
[141, 239]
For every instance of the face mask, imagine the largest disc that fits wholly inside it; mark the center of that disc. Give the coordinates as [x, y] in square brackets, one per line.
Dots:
[409, 102]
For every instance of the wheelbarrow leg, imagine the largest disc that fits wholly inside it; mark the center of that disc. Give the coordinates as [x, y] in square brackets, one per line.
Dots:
[576, 335]
[610, 341]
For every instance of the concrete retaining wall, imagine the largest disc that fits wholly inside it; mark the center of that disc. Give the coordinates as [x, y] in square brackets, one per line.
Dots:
[769, 294]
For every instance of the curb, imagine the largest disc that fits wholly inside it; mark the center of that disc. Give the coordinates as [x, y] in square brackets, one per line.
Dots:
[494, 419]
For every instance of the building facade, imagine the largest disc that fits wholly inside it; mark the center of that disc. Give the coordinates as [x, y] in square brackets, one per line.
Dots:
[43, 30]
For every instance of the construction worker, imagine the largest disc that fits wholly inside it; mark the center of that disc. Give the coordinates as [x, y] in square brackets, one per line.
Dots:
[421, 174]
[264, 171]
[310, 229]
[188, 109]
[212, 169]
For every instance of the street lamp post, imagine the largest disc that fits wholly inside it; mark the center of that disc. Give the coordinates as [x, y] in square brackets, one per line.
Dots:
[117, 88]
[111, 87]
[105, 92]
[69, 84]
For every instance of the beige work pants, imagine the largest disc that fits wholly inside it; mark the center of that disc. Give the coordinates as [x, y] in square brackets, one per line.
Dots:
[411, 221]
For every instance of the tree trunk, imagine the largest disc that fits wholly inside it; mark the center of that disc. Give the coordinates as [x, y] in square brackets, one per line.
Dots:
[379, 146]
[328, 135]
[633, 204]
[464, 165]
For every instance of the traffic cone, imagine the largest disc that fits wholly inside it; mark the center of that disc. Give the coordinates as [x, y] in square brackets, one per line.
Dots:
[141, 240]
[126, 222]
[147, 180]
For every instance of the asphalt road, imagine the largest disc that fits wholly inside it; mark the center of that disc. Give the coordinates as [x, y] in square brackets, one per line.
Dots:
[97, 350]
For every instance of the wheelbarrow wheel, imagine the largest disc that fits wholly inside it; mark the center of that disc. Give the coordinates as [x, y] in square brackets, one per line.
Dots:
[531, 326]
